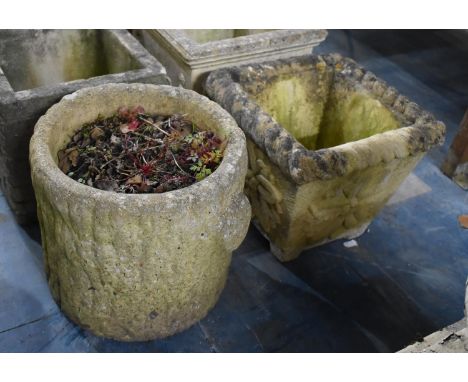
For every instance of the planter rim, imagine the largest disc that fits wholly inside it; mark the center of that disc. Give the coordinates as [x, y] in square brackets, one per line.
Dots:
[42, 160]
[192, 52]
[420, 132]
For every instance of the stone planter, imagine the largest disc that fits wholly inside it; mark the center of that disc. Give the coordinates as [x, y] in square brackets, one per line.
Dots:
[456, 162]
[328, 145]
[37, 68]
[137, 266]
[189, 54]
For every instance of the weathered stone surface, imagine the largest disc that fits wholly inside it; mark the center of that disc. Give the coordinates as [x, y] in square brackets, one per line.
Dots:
[328, 145]
[190, 54]
[37, 68]
[452, 339]
[142, 266]
[456, 162]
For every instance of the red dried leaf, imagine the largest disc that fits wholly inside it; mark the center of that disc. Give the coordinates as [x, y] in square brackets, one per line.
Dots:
[147, 169]
[132, 126]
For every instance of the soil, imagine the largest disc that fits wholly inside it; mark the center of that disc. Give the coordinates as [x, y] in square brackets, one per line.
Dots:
[134, 152]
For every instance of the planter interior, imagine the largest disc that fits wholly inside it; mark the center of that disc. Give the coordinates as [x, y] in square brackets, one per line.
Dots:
[41, 58]
[202, 36]
[37, 68]
[319, 111]
[328, 143]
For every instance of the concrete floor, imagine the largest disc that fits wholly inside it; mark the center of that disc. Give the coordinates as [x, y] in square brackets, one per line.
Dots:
[404, 280]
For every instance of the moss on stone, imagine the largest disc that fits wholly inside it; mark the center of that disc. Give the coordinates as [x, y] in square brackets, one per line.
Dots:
[297, 103]
[350, 116]
[320, 113]
[56, 56]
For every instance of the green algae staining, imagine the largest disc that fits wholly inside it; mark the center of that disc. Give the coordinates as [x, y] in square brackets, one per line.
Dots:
[320, 113]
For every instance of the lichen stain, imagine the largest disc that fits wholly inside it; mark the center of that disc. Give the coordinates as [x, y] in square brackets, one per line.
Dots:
[352, 116]
[320, 112]
[57, 56]
[292, 102]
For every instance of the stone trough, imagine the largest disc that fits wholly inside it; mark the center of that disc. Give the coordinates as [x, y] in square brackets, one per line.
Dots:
[328, 143]
[37, 68]
[189, 54]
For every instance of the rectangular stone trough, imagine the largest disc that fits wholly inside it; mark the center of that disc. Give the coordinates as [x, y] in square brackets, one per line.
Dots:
[39, 67]
[328, 143]
[189, 54]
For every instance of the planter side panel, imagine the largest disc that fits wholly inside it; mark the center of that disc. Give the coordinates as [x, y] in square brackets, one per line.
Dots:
[129, 275]
[297, 217]
[178, 71]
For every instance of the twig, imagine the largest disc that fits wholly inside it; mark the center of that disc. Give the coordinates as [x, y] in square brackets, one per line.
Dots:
[149, 138]
[177, 164]
[105, 164]
[154, 125]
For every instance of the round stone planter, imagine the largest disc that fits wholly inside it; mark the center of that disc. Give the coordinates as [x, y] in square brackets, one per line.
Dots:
[143, 266]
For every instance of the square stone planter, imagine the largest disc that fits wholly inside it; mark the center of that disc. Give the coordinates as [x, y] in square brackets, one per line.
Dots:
[189, 54]
[37, 68]
[328, 144]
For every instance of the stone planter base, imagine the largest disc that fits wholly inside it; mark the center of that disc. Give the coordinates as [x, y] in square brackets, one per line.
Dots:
[190, 54]
[37, 68]
[328, 144]
[136, 267]
[455, 165]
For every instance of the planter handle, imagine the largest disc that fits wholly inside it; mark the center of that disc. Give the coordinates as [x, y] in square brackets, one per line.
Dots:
[240, 208]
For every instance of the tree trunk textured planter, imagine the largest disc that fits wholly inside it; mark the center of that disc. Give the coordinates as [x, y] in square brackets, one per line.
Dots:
[37, 68]
[189, 54]
[328, 144]
[137, 266]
